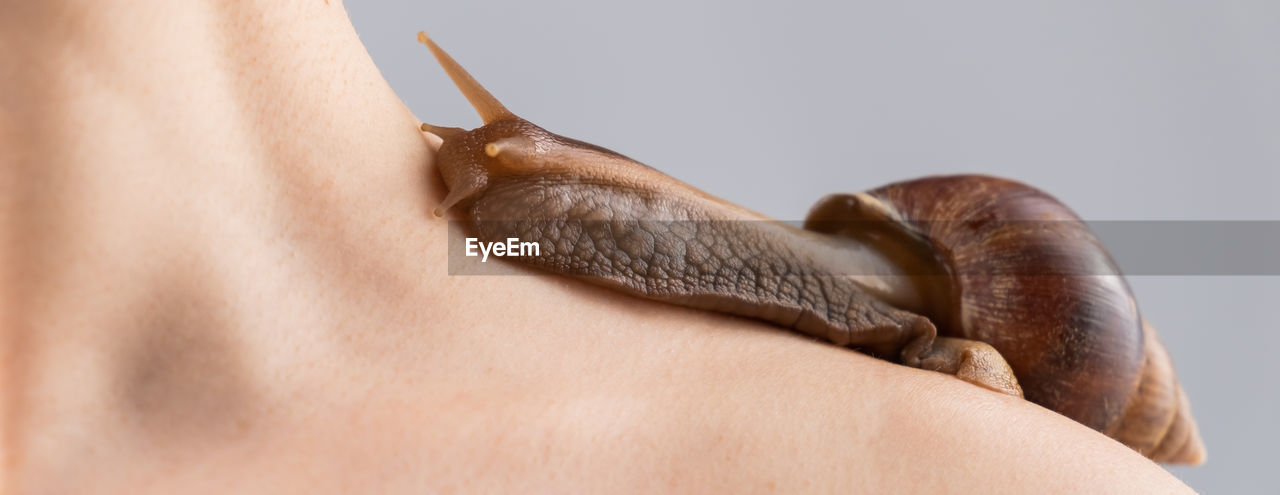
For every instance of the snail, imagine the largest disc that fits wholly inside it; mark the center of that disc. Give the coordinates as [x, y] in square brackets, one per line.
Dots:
[986, 279]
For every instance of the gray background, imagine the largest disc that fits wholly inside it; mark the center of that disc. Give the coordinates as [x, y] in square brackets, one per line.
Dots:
[1159, 110]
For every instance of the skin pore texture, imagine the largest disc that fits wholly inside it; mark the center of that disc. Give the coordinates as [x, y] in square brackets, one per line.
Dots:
[220, 272]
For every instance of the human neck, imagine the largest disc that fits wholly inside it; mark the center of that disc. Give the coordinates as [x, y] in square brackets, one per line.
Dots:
[286, 78]
[144, 139]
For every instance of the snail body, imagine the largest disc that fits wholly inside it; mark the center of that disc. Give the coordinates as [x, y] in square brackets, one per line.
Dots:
[864, 274]
[615, 222]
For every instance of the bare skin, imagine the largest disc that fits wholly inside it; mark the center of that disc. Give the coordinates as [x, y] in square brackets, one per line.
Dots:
[220, 273]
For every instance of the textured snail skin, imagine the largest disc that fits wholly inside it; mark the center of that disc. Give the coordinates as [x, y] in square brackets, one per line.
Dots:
[1025, 275]
[864, 276]
[609, 220]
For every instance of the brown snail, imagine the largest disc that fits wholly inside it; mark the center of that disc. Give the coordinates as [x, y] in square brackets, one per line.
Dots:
[986, 279]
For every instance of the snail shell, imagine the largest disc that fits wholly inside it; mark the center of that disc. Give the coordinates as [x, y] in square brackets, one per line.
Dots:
[1015, 268]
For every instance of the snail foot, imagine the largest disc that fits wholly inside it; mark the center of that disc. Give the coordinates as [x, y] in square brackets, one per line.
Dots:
[972, 361]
